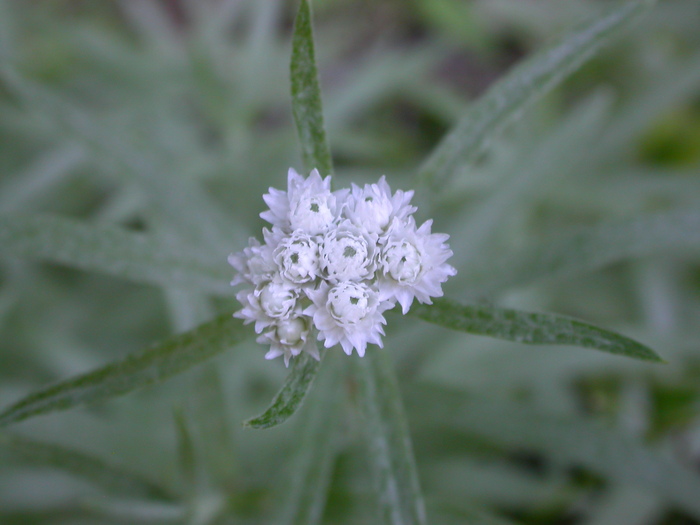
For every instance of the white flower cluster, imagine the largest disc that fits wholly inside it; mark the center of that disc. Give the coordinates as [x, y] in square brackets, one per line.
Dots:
[333, 263]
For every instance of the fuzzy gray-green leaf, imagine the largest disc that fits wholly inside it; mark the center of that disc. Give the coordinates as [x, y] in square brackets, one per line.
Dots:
[166, 359]
[530, 328]
[521, 87]
[389, 441]
[107, 249]
[308, 117]
[306, 95]
[290, 396]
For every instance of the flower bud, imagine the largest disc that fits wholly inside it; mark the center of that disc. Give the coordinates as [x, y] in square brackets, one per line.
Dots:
[347, 254]
[297, 258]
[292, 331]
[312, 213]
[349, 303]
[277, 299]
[402, 262]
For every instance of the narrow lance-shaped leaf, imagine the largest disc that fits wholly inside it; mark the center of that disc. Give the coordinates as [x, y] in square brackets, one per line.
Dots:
[308, 117]
[164, 360]
[306, 95]
[291, 395]
[307, 491]
[523, 86]
[406, 506]
[112, 479]
[530, 328]
[389, 441]
[588, 249]
[108, 250]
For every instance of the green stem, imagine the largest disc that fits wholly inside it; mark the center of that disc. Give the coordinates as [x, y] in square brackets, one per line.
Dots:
[389, 441]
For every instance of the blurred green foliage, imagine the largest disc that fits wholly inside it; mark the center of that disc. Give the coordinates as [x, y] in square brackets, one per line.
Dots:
[172, 118]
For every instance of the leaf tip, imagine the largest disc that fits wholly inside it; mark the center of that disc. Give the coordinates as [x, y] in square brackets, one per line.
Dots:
[647, 354]
[255, 423]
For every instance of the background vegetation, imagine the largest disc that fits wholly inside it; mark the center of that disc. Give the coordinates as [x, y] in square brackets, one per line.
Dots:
[168, 120]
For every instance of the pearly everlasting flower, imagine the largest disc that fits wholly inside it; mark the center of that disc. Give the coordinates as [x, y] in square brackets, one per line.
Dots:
[373, 207]
[254, 264]
[347, 254]
[333, 263]
[412, 263]
[267, 304]
[297, 258]
[289, 338]
[307, 205]
[349, 314]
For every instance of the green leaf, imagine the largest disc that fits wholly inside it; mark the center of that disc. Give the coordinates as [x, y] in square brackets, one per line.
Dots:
[290, 396]
[164, 360]
[307, 491]
[389, 441]
[306, 95]
[308, 117]
[565, 439]
[521, 87]
[589, 249]
[529, 328]
[109, 250]
[110, 478]
[174, 199]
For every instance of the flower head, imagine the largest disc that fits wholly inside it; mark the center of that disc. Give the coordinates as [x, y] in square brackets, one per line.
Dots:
[266, 304]
[297, 258]
[347, 254]
[333, 263]
[253, 265]
[289, 338]
[349, 314]
[307, 205]
[412, 263]
[373, 207]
